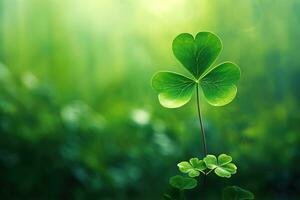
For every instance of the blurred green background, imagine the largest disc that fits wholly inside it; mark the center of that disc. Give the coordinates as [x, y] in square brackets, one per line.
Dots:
[79, 119]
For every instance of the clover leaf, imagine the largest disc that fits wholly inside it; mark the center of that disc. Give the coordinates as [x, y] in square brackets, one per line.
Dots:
[174, 89]
[221, 166]
[236, 193]
[197, 56]
[183, 183]
[167, 197]
[193, 167]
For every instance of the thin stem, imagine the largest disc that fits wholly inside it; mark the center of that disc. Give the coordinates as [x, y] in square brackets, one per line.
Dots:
[209, 171]
[201, 122]
[182, 196]
[202, 133]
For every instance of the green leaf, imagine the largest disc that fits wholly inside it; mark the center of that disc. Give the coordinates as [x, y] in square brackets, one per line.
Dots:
[219, 85]
[211, 161]
[198, 164]
[167, 197]
[224, 159]
[174, 89]
[226, 170]
[182, 183]
[197, 54]
[236, 193]
[194, 173]
[184, 167]
[221, 166]
[192, 168]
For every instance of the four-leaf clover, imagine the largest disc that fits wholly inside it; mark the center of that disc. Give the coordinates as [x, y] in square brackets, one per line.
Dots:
[221, 166]
[192, 168]
[197, 56]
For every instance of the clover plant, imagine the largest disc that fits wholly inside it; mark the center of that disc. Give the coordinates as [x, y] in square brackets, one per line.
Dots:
[219, 86]
[235, 192]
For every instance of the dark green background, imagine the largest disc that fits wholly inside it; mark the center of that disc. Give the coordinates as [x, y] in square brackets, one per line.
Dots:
[79, 119]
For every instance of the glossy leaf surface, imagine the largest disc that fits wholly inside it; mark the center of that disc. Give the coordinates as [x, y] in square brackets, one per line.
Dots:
[197, 54]
[193, 167]
[219, 85]
[221, 166]
[174, 89]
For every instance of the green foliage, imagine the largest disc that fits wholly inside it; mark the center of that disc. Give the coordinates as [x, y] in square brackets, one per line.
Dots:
[197, 55]
[183, 183]
[192, 168]
[48, 151]
[174, 89]
[221, 166]
[219, 85]
[167, 197]
[236, 193]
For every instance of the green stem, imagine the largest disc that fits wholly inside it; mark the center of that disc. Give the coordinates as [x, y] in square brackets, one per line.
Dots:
[201, 122]
[182, 196]
[209, 172]
[202, 133]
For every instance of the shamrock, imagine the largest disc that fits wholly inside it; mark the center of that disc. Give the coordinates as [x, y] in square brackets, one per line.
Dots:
[236, 193]
[182, 183]
[192, 168]
[197, 55]
[221, 166]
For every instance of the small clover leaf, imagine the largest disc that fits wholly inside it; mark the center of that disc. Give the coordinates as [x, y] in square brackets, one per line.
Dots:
[193, 167]
[197, 56]
[236, 193]
[183, 183]
[221, 166]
